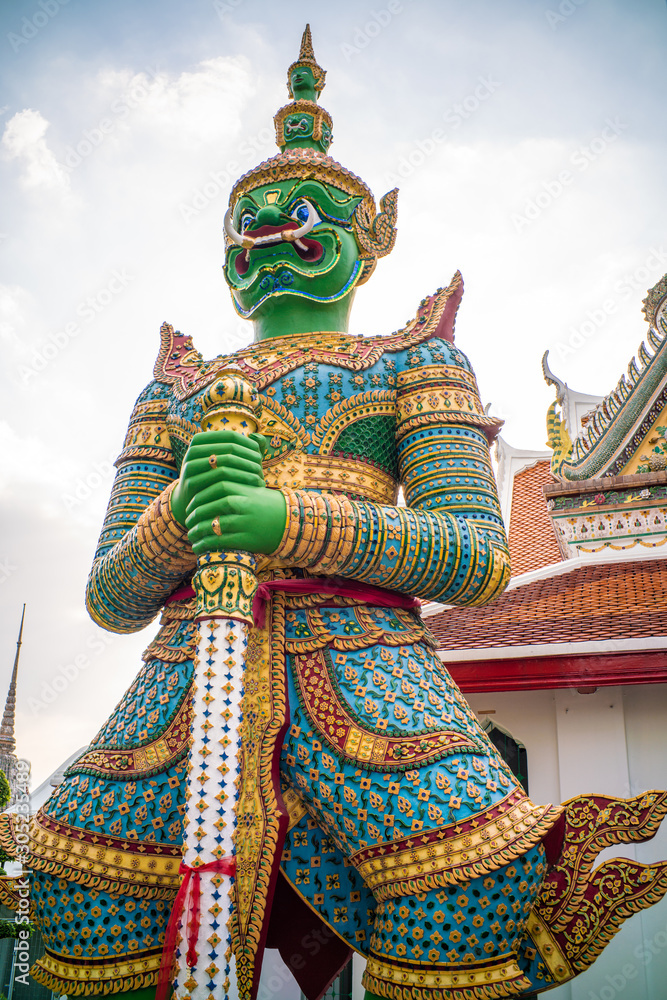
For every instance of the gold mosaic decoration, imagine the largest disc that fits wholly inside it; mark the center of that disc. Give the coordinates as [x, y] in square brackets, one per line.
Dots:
[444, 856]
[478, 981]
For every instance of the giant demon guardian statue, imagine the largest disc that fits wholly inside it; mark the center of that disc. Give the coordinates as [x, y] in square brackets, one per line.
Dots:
[293, 753]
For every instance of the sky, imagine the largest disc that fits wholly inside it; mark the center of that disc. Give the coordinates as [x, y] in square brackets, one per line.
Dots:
[527, 139]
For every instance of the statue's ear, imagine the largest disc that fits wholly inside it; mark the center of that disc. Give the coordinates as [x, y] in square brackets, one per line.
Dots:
[376, 234]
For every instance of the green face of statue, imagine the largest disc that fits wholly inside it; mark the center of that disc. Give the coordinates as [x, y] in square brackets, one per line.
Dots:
[302, 82]
[278, 273]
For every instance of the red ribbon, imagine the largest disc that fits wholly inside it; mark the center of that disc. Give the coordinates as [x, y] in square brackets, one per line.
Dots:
[330, 585]
[187, 900]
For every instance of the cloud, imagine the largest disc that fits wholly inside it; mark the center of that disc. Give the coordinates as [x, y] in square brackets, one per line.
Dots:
[196, 107]
[186, 112]
[13, 300]
[26, 460]
[23, 139]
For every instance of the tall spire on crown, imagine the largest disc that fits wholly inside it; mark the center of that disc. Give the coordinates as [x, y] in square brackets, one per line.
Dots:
[307, 59]
[303, 124]
[306, 51]
[7, 734]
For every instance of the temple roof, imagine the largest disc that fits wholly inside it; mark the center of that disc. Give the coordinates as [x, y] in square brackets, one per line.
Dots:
[531, 537]
[597, 603]
[522, 476]
[586, 525]
[619, 424]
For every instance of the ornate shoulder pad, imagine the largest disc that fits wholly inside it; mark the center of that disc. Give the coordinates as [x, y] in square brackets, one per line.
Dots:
[179, 364]
[435, 317]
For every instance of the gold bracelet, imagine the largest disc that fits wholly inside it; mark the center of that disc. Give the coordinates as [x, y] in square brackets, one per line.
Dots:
[161, 538]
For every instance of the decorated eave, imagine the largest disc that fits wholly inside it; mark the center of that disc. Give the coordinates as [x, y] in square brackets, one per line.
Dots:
[609, 495]
[616, 516]
[616, 430]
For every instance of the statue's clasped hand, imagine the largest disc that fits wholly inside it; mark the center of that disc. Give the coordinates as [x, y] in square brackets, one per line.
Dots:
[222, 498]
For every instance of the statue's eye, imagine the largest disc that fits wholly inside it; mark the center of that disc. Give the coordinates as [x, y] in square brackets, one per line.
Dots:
[247, 219]
[300, 213]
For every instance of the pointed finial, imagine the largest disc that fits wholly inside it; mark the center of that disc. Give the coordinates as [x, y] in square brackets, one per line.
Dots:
[7, 735]
[551, 379]
[306, 50]
[305, 77]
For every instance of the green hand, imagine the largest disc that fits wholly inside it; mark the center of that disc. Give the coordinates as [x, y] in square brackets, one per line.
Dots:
[251, 516]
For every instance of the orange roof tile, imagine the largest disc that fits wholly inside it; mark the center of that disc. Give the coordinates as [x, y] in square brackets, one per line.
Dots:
[592, 603]
[531, 535]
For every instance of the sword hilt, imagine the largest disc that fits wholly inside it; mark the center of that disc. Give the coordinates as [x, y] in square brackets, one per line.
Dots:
[231, 404]
[225, 582]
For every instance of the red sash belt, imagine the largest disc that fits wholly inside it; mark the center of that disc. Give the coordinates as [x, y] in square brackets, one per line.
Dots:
[329, 585]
